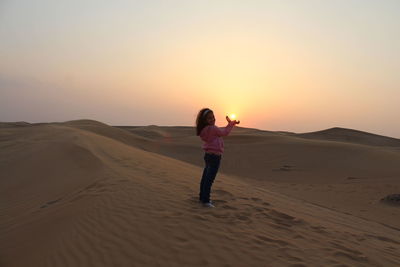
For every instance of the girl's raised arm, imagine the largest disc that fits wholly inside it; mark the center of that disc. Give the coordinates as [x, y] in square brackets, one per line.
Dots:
[225, 130]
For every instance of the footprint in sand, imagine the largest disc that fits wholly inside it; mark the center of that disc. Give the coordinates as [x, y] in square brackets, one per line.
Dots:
[384, 239]
[258, 200]
[285, 219]
[345, 255]
[229, 207]
[242, 217]
[274, 241]
[219, 201]
[50, 203]
[223, 193]
[260, 209]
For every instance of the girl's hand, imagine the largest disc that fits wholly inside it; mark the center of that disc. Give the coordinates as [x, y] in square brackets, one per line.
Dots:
[229, 120]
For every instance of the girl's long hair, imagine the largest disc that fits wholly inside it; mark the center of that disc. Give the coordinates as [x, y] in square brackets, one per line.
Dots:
[201, 120]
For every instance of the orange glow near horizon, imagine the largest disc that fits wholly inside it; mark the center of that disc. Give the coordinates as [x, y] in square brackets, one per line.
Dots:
[272, 65]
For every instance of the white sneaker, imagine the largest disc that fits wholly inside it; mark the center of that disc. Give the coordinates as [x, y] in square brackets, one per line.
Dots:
[208, 205]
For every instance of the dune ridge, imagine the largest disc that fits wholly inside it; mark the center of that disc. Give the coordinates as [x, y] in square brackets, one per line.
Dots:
[87, 194]
[352, 136]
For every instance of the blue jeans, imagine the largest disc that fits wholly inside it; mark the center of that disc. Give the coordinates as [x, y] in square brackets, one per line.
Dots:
[210, 171]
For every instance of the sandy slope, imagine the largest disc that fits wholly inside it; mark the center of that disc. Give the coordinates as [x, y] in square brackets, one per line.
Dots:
[346, 176]
[81, 194]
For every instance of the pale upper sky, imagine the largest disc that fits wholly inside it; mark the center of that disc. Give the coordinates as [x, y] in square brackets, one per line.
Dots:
[278, 65]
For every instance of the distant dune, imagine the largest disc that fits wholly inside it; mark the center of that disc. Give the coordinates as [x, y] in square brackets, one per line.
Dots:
[352, 136]
[83, 193]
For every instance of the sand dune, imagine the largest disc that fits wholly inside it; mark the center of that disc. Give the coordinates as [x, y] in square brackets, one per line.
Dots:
[83, 193]
[342, 175]
[352, 136]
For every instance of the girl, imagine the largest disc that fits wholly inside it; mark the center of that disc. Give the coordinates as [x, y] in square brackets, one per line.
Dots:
[213, 147]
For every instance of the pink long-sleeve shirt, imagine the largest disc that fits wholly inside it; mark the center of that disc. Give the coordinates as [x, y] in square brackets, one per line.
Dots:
[212, 137]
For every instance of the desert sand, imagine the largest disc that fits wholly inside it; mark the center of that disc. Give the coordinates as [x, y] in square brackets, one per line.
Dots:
[83, 193]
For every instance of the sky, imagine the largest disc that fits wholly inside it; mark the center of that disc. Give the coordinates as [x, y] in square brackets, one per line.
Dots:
[298, 65]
